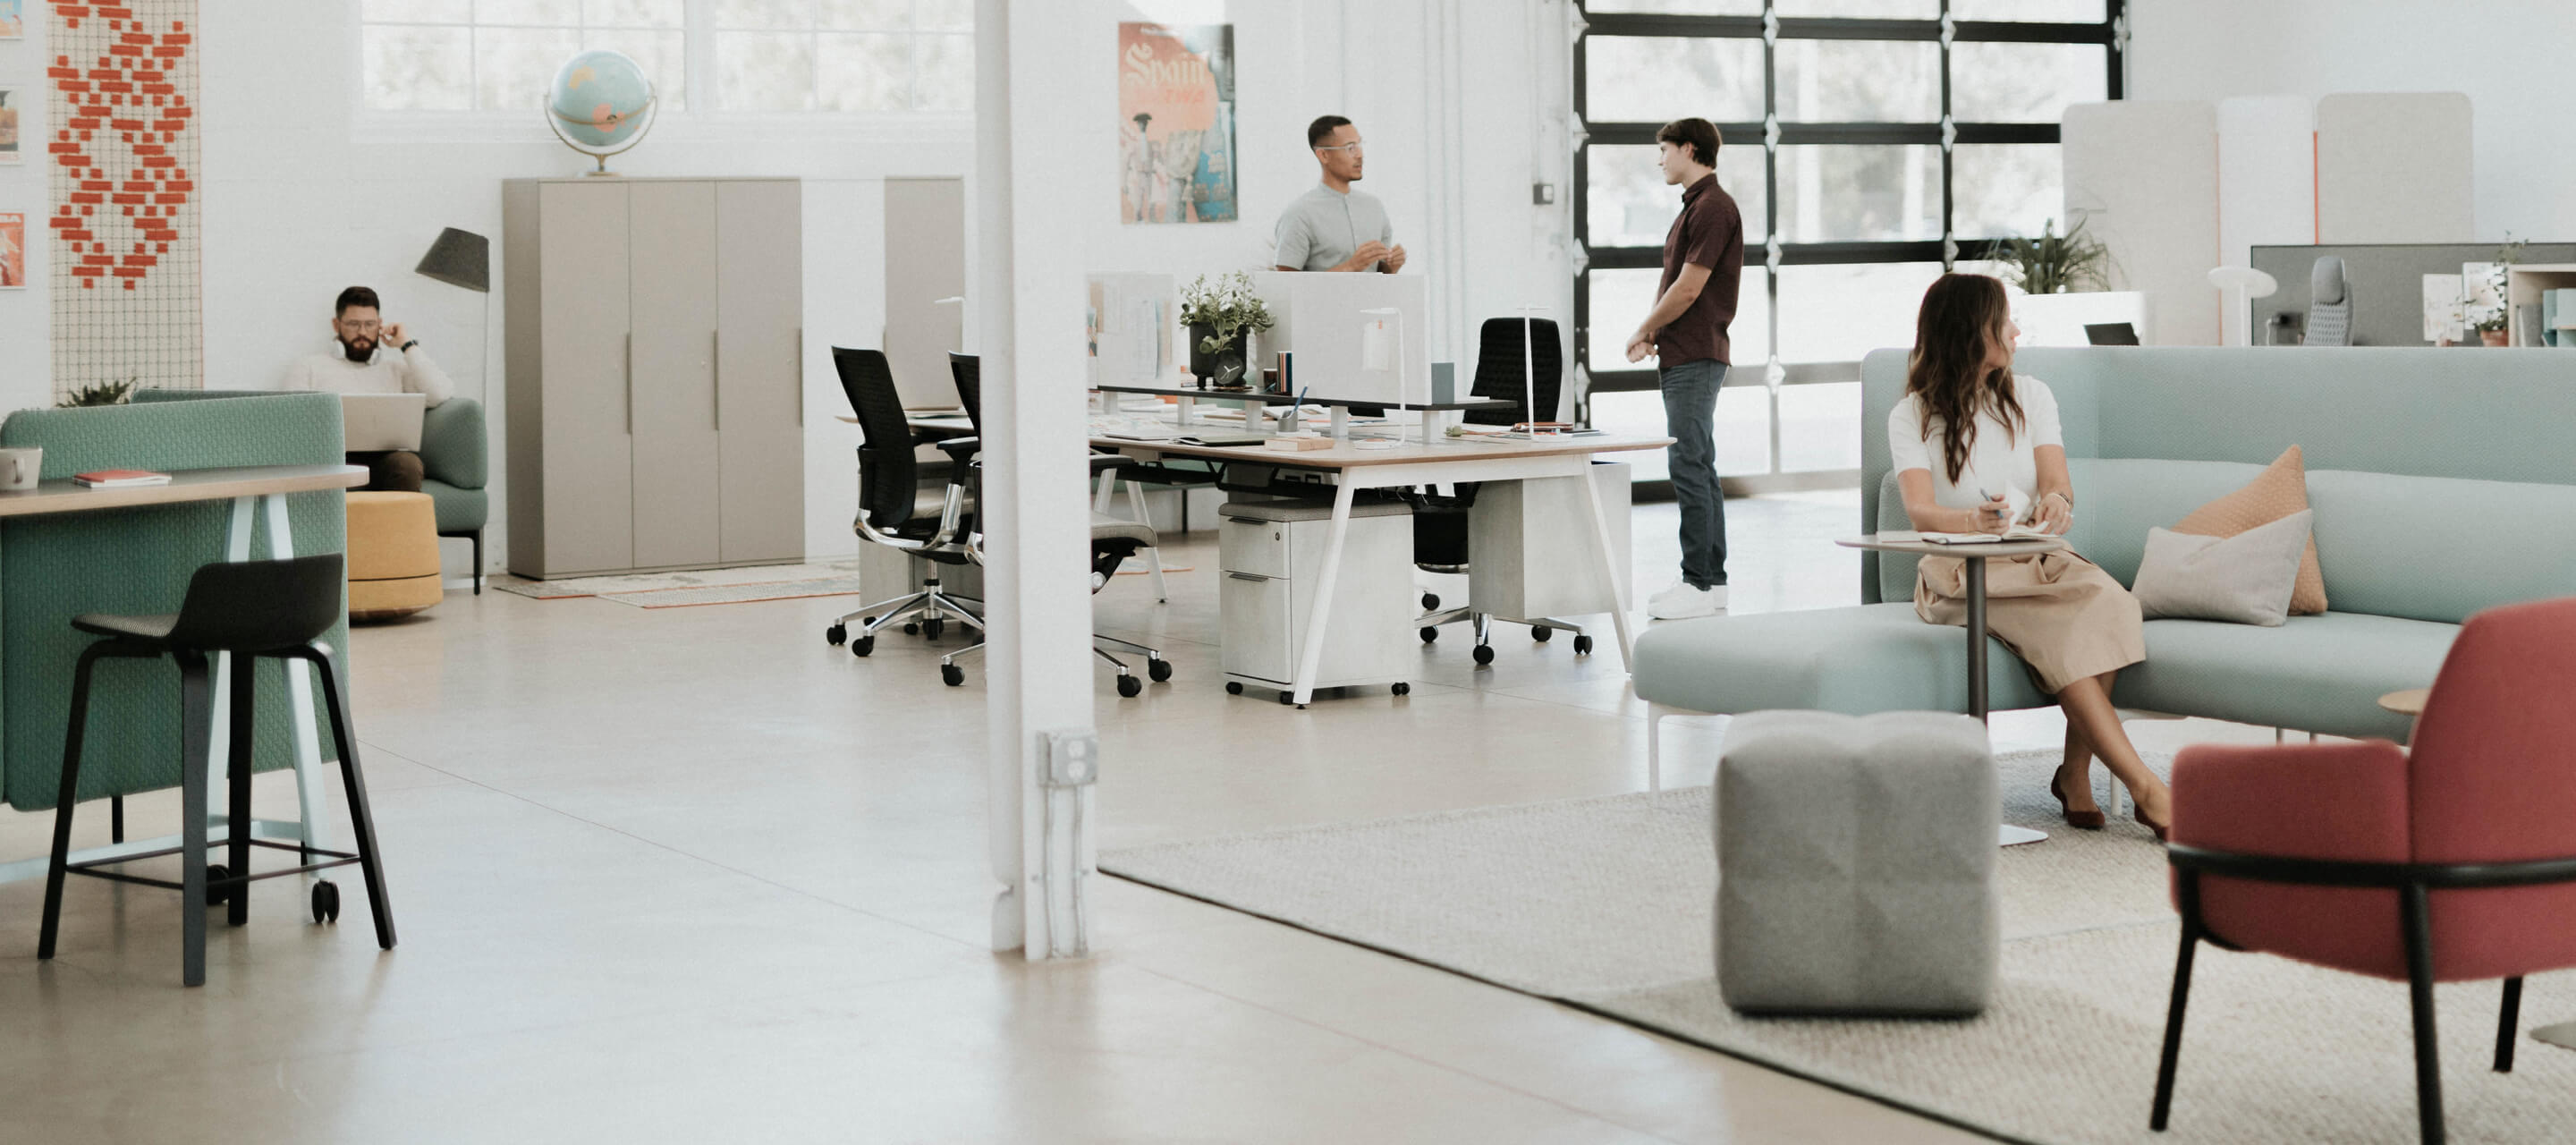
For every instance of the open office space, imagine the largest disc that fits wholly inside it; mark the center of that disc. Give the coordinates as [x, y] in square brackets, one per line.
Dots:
[1105, 570]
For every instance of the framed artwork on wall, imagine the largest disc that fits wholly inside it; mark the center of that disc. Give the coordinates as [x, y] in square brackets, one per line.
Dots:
[13, 114]
[13, 19]
[13, 250]
[1176, 123]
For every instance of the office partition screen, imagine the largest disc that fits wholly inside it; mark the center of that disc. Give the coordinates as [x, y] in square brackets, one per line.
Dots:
[1870, 144]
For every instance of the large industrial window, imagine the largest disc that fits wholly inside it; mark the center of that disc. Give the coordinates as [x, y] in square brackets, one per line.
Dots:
[1870, 144]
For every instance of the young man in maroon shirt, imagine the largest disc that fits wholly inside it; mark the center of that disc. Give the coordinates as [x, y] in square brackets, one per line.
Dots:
[1686, 334]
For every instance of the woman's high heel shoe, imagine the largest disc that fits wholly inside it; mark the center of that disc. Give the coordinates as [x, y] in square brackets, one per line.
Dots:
[2080, 820]
[2159, 828]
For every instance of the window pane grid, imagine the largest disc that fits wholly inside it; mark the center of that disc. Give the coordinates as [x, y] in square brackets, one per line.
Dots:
[1891, 139]
[840, 56]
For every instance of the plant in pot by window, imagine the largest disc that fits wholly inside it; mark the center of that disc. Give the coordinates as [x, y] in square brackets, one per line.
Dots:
[2055, 263]
[1222, 316]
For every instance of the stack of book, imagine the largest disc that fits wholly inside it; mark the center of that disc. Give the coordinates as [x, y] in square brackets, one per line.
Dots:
[119, 478]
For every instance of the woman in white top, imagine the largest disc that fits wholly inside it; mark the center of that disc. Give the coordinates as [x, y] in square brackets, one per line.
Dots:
[2072, 623]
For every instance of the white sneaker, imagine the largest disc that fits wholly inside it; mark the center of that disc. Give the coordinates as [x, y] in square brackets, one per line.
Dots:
[1682, 602]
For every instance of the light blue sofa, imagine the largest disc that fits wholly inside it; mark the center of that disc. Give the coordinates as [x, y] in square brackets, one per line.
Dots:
[2443, 483]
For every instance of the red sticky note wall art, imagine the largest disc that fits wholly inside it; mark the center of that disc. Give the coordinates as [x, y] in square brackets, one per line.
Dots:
[124, 211]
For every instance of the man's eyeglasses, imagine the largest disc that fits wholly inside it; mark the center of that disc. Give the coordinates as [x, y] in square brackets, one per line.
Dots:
[1353, 147]
[362, 327]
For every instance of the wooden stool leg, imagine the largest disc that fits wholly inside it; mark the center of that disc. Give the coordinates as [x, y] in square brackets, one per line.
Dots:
[196, 709]
[64, 796]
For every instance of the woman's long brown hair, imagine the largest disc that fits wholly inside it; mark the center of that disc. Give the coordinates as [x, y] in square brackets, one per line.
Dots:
[1963, 316]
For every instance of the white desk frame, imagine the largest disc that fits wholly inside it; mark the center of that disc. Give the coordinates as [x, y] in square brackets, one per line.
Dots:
[1477, 462]
[313, 830]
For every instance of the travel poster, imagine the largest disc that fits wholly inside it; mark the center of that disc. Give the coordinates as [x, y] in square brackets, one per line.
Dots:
[1176, 123]
[13, 19]
[13, 250]
[12, 118]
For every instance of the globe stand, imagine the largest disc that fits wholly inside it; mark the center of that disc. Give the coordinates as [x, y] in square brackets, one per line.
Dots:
[649, 112]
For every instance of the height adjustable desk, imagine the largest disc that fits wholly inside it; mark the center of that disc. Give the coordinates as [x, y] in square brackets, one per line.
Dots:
[1348, 469]
[1254, 402]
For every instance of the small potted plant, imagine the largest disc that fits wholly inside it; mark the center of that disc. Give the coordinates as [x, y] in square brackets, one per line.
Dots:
[2494, 325]
[1222, 317]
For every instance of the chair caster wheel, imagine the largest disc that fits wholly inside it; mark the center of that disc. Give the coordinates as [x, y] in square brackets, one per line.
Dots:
[1158, 670]
[1582, 645]
[863, 645]
[951, 675]
[1402, 689]
[835, 635]
[1484, 653]
[1233, 688]
[1129, 687]
[1286, 698]
[1430, 634]
[912, 628]
[930, 629]
[326, 901]
[218, 895]
[1541, 632]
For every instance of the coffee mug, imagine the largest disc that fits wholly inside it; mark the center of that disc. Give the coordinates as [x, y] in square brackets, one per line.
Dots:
[19, 468]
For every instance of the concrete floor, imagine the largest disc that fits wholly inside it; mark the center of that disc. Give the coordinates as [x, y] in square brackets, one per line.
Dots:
[691, 875]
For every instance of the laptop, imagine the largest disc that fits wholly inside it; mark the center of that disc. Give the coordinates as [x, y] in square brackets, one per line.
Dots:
[371, 423]
[2111, 333]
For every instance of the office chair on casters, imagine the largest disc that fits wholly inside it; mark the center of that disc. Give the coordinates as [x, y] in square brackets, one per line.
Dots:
[893, 515]
[1113, 541]
[1440, 521]
[968, 371]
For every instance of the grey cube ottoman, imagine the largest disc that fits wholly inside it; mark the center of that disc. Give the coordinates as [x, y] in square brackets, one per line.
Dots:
[1856, 864]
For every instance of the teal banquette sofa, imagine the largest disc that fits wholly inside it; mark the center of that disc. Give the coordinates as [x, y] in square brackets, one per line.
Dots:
[2444, 482]
[55, 567]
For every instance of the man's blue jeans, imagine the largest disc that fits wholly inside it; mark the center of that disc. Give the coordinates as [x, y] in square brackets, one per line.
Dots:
[1690, 419]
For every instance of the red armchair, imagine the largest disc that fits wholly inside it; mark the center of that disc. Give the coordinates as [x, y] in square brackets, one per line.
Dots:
[2457, 863]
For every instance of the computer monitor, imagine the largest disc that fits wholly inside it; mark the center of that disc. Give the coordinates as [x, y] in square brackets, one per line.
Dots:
[1356, 337]
[1131, 319]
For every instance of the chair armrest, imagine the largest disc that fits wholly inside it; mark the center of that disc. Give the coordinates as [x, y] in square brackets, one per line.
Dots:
[453, 447]
[2343, 801]
[959, 449]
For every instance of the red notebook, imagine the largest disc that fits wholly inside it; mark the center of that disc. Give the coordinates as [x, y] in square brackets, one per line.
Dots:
[117, 478]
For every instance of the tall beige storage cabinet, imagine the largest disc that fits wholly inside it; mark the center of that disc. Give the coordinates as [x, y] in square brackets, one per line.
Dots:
[656, 389]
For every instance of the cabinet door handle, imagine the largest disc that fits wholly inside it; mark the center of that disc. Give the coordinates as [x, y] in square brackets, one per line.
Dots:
[630, 383]
[799, 390]
[715, 363]
[1247, 576]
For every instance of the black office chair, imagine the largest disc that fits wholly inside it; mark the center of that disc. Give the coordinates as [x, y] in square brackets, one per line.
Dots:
[894, 515]
[1440, 521]
[968, 372]
[251, 609]
[1113, 541]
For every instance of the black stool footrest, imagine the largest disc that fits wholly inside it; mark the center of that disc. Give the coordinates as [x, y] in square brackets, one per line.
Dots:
[95, 868]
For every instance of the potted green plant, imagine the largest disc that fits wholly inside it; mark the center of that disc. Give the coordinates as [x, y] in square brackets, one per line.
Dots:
[2055, 263]
[100, 394]
[2494, 323]
[1222, 317]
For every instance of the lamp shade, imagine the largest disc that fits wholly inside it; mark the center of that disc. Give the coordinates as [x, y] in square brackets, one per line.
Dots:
[459, 258]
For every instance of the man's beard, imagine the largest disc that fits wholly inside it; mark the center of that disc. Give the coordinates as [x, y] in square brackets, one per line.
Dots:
[361, 350]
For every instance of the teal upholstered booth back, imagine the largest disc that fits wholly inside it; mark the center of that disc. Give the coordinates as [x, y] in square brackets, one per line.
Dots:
[53, 568]
[454, 455]
[2444, 482]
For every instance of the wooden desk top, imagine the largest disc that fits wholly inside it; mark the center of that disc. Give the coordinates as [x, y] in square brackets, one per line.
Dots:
[1276, 399]
[1349, 457]
[62, 496]
[1905, 542]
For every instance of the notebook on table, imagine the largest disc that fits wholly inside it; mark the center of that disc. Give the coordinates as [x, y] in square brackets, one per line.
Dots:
[371, 423]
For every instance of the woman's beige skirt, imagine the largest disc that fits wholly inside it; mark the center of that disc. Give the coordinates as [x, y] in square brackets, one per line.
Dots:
[2064, 616]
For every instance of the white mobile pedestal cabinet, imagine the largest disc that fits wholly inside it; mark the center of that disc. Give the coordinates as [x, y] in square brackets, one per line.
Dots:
[1272, 553]
[656, 390]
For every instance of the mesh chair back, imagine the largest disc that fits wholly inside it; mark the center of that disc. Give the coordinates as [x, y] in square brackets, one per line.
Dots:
[887, 469]
[969, 372]
[1499, 375]
[260, 606]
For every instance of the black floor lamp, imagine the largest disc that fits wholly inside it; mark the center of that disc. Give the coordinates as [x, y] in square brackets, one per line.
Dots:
[463, 258]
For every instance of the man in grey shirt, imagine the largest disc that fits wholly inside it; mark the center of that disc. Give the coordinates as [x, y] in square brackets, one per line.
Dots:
[1335, 227]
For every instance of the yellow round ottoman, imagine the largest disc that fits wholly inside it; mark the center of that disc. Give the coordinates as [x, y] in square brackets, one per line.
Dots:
[393, 555]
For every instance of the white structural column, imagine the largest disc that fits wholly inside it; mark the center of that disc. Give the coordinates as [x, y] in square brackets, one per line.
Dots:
[1039, 179]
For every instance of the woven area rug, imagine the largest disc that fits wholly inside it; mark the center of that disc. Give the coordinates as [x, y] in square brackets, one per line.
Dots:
[700, 586]
[1606, 904]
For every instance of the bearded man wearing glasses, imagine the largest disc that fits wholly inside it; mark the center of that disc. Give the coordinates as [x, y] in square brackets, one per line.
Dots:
[360, 367]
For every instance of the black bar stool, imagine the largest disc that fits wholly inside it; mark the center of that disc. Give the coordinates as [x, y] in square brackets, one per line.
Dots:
[251, 609]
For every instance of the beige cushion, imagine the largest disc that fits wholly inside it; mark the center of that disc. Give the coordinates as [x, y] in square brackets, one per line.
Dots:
[2244, 579]
[2277, 492]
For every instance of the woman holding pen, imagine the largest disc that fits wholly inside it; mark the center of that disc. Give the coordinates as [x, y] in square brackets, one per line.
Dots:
[1977, 449]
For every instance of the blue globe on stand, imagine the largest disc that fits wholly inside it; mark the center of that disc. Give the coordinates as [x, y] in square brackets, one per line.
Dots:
[600, 104]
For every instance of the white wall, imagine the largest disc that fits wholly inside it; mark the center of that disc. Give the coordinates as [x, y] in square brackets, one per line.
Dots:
[26, 327]
[2507, 55]
[306, 193]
